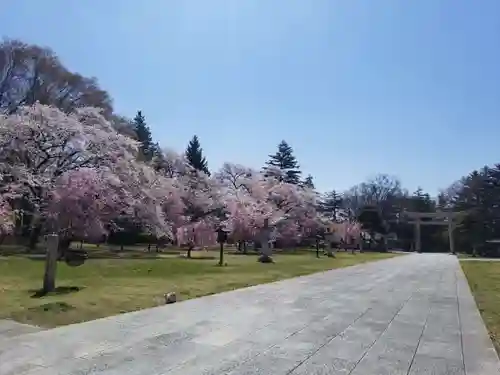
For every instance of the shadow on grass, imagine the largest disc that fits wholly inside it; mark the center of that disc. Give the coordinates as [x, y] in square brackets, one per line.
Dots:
[197, 257]
[53, 307]
[60, 290]
[113, 256]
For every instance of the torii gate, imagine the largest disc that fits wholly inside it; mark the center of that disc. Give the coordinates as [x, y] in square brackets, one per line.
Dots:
[436, 218]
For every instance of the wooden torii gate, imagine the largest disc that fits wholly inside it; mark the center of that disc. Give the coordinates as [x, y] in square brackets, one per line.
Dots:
[432, 218]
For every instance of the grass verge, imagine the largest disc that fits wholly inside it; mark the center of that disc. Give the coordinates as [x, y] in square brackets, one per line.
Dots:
[103, 287]
[484, 281]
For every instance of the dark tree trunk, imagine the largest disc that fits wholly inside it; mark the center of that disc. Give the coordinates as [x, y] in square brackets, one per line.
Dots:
[34, 237]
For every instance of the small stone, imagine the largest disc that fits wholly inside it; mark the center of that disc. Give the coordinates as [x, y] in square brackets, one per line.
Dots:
[170, 298]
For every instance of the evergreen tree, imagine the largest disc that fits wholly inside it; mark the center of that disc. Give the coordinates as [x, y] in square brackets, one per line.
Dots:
[194, 155]
[308, 182]
[331, 205]
[479, 201]
[284, 160]
[421, 202]
[147, 147]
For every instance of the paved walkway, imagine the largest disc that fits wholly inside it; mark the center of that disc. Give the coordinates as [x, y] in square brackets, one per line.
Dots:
[412, 314]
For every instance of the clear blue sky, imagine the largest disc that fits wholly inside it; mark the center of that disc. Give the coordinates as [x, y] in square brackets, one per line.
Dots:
[409, 88]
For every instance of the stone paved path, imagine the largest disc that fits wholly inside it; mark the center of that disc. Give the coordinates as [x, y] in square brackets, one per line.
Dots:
[412, 314]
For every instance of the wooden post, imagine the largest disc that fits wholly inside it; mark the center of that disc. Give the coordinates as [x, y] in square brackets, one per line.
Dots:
[417, 236]
[317, 247]
[450, 235]
[221, 254]
[49, 278]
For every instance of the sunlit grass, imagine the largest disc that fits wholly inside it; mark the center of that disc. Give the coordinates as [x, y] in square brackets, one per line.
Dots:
[484, 281]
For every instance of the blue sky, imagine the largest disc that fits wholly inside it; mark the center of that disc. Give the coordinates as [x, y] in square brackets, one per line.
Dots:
[408, 88]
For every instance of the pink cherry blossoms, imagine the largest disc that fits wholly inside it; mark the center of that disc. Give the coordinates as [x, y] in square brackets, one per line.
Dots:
[82, 179]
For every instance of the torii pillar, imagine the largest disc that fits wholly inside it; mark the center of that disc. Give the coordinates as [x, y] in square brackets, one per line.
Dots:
[451, 226]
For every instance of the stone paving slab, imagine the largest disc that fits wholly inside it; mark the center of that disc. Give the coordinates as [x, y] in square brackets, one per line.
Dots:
[412, 314]
[10, 329]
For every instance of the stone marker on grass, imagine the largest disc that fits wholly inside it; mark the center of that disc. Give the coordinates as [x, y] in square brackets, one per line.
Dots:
[265, 237]
[170, 297]
[49, 278]
[330, 239]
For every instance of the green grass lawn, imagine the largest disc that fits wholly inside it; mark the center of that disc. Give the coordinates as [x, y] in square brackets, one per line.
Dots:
[103, 287]
[484, 281]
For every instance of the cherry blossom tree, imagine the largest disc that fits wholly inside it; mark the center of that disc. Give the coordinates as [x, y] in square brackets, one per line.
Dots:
[198, 208]
[75, 167]
[246, 202]
[251, 197]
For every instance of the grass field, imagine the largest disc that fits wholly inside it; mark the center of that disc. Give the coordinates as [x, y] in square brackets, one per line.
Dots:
[484, 281]
[103, 287]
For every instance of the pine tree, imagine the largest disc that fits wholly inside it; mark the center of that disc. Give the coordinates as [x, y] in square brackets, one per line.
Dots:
[331, 205]
[308, 182]
[422, 202]
[147, 147]
[194, 155]
[286, 162]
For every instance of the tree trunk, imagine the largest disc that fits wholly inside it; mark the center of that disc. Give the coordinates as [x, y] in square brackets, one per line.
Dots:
[34, 237]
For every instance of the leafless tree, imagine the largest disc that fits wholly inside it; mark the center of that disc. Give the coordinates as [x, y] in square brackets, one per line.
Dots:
[29, 73]
[383, 191]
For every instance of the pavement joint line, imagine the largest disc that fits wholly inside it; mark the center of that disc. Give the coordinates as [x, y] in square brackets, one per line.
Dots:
[350, 325]
[422, 333]
[330, 340]
[386, 328]
[301, 329]
[460, 321]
